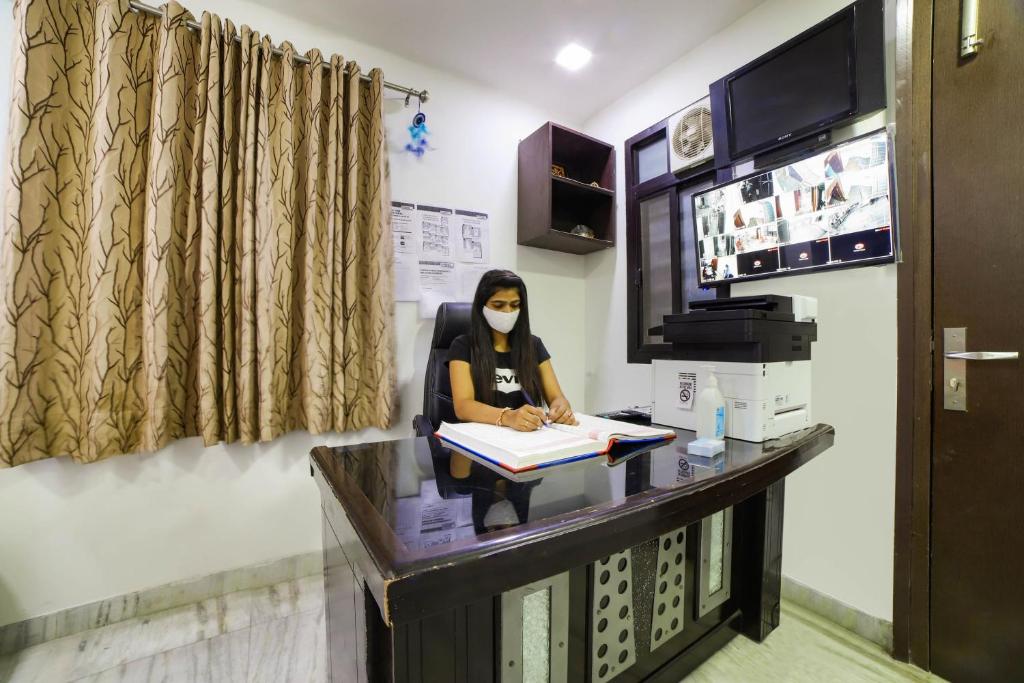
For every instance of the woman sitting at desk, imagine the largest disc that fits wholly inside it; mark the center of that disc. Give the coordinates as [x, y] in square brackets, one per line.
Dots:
[499, 368]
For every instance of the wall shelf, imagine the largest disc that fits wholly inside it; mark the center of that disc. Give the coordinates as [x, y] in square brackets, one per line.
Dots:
[551, 206]
[583, 186]
[559, 240]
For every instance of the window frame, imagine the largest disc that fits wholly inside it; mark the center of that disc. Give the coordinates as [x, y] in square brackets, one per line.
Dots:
[636, 193]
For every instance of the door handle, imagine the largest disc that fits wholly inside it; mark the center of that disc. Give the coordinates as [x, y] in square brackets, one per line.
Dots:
[969, 40]
[983, 355]
[954, 366]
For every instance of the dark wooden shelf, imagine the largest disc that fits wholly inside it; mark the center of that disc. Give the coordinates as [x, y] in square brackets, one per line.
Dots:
[550, 206]
[583, 186]
[560, 240]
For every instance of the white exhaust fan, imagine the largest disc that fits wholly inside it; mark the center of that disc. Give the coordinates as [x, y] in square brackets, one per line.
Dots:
[689, 136]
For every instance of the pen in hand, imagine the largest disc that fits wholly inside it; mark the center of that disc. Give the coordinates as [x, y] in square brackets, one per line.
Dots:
[529, 402]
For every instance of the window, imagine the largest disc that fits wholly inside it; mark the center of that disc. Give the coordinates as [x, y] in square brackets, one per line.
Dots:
[652, 159]
[660, 254]
[655, 264]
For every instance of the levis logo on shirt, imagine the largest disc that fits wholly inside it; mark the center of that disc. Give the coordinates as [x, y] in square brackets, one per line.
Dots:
[506, 380]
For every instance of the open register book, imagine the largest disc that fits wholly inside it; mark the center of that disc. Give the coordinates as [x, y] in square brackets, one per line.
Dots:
[552, 444]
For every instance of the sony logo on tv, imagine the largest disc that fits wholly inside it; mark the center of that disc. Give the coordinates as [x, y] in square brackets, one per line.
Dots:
[783, 137]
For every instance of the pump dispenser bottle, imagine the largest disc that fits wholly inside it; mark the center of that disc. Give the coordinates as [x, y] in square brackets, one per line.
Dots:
[711, 410]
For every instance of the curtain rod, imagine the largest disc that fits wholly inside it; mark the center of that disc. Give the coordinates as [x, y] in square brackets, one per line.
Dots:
[143, 8]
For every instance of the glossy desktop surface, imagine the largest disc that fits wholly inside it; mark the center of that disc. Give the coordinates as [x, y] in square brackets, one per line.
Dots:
[417, 507]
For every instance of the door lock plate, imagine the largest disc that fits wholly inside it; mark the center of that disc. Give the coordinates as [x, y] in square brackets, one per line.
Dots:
[954, 370]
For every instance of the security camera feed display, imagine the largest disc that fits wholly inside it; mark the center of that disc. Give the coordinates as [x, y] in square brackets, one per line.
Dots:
[828, 210]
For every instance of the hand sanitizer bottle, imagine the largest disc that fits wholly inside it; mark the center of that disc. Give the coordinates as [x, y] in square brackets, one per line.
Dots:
[711, 410]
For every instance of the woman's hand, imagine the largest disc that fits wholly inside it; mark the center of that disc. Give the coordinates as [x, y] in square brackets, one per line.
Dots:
[525, 419]
[561, 413]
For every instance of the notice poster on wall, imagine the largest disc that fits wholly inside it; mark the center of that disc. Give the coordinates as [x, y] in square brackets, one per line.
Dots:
[407, 277]
[438, 284]
[404, 228]
[472, 237]
[436, 231]
[439, 253]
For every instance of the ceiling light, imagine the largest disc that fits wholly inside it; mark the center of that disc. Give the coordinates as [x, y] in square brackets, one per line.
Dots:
[573, 57]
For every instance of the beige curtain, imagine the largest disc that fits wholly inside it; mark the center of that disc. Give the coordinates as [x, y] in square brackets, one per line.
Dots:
[196, 237]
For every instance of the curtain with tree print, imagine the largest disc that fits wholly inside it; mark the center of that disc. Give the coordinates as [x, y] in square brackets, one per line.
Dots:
[196, 237]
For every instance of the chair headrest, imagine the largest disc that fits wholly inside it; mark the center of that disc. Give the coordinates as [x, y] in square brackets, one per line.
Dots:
[451, 321]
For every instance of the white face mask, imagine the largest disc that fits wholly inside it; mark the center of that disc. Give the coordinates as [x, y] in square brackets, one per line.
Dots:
[499, 320]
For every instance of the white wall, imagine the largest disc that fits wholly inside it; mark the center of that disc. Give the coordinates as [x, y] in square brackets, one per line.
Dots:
[838, 536]
[73, 534]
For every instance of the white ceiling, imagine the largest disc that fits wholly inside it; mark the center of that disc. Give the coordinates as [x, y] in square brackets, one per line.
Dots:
[511, 45]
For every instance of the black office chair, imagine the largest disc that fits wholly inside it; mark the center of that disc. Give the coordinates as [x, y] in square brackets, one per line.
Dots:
[451, 321]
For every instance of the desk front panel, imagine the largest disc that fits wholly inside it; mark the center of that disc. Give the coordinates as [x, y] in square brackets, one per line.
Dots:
[439, 569]
[653, 611]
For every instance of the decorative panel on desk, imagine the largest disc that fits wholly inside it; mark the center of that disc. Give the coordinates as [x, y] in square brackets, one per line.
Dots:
[715, 585]
[670, 588]
[535, 632]
[612, 640]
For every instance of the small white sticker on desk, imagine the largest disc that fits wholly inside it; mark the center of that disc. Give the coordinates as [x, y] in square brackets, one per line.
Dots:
[687, 390]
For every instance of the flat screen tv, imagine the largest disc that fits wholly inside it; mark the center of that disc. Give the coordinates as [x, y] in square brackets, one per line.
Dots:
[830, 210]
[832, 72]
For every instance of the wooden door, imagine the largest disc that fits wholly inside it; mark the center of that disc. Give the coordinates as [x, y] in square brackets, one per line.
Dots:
[977, 566]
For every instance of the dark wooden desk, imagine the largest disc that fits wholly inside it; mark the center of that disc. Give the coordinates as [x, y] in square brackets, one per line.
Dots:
[439, 569]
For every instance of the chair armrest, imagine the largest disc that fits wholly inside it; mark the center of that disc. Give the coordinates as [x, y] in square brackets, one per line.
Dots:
[421, 425]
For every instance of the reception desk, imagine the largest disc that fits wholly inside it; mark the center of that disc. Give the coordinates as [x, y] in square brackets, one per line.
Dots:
[439, 568]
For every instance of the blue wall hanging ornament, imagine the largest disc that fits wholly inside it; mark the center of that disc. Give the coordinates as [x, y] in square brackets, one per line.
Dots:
[418, 133]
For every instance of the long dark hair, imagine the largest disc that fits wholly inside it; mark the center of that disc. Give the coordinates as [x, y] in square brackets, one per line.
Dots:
[520, 339]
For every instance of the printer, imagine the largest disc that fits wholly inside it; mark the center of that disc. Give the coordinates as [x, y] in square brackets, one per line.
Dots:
[759, 347]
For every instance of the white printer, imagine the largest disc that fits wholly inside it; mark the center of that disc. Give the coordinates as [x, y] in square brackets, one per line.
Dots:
[760, 349]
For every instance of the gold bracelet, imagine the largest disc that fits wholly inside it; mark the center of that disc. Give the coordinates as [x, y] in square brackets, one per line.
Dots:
[497, 422]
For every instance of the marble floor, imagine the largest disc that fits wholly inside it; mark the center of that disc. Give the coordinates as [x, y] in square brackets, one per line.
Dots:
[277, 634]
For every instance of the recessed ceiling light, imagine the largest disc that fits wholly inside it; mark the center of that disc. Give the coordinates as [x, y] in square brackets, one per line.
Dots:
[573, 57]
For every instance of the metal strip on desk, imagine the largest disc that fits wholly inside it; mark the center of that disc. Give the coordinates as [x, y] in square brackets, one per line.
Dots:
[613, 642]
[715, 587]
[668, 616]
[546, 604]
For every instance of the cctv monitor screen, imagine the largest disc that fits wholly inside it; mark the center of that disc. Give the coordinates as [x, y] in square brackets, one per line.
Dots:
[829, 210]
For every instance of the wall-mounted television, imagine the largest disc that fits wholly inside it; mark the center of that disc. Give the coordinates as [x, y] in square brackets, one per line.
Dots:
[831, 72]
[830, 210]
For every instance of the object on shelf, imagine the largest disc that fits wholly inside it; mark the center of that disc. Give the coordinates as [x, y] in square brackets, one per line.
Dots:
[557, 171]
[583, 231]
[595, 184]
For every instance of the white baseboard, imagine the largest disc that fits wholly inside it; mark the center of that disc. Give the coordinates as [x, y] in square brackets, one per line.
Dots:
[875, 629]
[23, 634]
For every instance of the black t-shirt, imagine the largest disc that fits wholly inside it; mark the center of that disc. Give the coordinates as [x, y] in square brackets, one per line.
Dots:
[506, 382]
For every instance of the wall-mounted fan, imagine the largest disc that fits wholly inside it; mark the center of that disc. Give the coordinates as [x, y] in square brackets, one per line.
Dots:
[689, 134]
